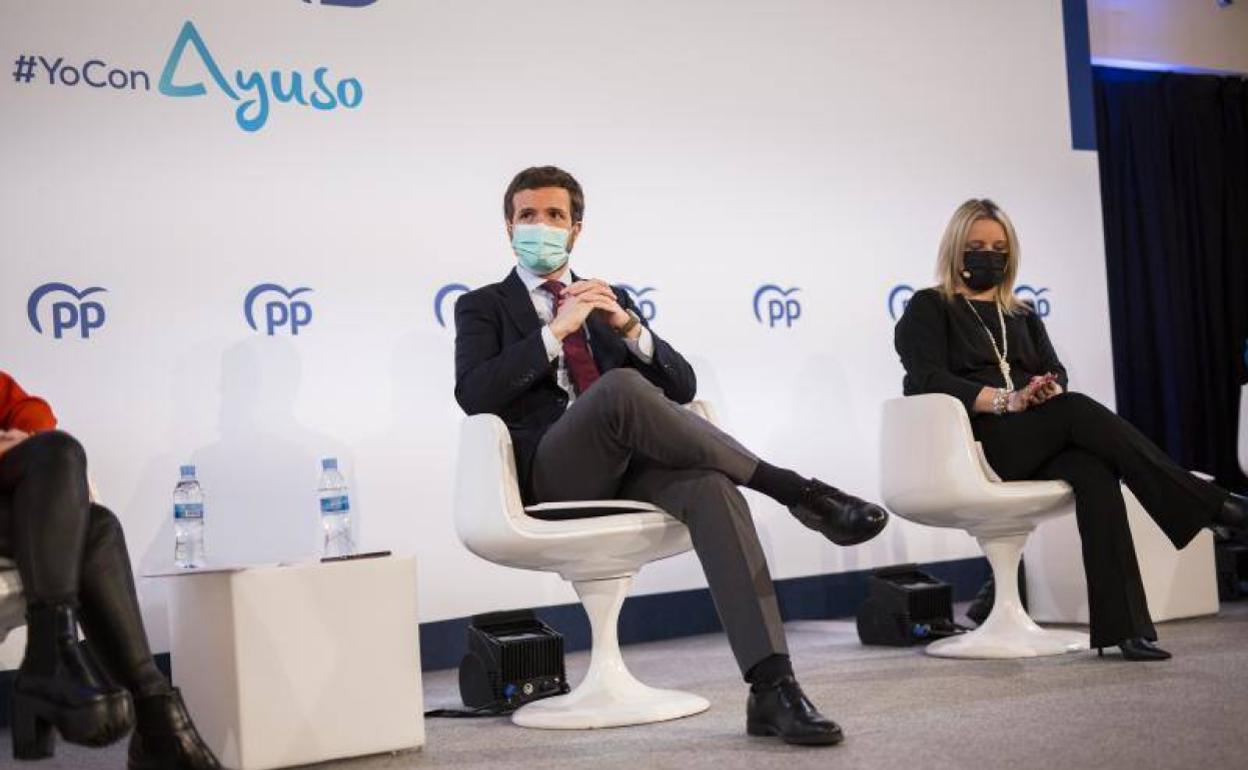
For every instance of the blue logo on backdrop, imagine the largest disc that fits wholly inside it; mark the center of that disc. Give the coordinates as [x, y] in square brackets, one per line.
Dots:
[453, 290]
[252, 90]
[68, 314]
[900, 296]
[253, 112]
[779, 304]
[1034, 295]
[343, 3]
[281, 310]
[645, 307]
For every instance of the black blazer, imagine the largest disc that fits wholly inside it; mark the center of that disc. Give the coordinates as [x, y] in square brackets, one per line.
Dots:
[501, 365]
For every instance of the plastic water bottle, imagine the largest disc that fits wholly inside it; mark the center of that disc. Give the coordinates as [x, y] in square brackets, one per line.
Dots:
[335, 511]
[188, 520]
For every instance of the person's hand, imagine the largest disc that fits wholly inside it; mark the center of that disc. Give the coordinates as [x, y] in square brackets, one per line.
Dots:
[1046, 387]
[616, 316]
[1022, 400]
[10, 439]
[576, 306]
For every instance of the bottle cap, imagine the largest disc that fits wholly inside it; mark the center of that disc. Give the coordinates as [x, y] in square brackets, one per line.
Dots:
[329, 464]
[188, 471]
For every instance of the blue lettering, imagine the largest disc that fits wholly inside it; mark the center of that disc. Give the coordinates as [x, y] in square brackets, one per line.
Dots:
[190, 35]
[356, 96]
[256, 122]
[92, 317]
[775, 311]
[64, 317]
[275, 316]
[253, 113]
[329, 102]
[300, 315]
[296, 88]
[793, 310]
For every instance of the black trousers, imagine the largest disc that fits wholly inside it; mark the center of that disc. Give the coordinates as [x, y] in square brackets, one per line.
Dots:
[1075, 439]
[69, 550]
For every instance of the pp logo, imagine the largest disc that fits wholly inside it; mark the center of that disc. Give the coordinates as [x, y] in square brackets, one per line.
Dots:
[440, 305]
[898, 298]
[1036, 297]
[645, 307]
[67, 314]
[780, 305]
[280, 310]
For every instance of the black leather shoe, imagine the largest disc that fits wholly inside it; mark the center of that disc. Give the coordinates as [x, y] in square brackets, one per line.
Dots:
[58, 686]
[781, 709]
[165, 738]
[841, 518]
[1138, 649]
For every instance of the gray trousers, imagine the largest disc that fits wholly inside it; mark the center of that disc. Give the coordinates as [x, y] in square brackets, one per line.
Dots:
[625, 439]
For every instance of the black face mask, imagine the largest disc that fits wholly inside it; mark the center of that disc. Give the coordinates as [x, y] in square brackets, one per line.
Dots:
[983, 270]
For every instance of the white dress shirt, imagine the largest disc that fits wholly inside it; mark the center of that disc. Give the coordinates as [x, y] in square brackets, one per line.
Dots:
[544, 304]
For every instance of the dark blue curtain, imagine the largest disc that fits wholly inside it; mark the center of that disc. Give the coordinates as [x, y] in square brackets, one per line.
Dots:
[1174, 190]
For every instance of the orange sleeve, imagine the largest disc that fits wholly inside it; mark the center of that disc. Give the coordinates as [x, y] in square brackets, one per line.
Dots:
[21, 411]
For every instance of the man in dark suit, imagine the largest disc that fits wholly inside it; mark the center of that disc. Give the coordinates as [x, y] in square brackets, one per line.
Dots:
[593, 397]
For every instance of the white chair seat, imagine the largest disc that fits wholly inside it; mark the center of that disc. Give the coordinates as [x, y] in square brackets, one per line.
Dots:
[620, 543]
[934, 473]
[598, 553]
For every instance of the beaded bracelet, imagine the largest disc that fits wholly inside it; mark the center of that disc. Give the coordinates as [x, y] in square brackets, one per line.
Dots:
[1000, 401]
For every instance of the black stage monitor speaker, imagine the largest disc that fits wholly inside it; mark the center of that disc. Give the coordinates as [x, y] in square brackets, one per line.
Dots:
[905, 606]
[513, 658]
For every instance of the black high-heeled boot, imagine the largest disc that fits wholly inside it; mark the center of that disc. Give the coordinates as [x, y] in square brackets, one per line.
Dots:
[58, 686]
[1138, 649]
[165, 738]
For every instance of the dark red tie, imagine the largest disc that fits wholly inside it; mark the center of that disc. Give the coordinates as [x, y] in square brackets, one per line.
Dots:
[576, 355]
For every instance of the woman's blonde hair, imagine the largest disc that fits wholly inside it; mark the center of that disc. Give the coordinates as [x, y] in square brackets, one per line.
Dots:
[953, 244]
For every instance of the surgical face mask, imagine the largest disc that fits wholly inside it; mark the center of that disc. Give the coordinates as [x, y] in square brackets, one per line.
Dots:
[982, 270]
[542, 249]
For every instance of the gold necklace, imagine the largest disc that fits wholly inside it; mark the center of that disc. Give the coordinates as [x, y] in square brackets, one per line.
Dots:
[1001, 352]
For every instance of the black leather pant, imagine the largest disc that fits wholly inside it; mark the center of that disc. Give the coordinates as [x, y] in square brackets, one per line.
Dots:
[69, 550]
[1075, 439]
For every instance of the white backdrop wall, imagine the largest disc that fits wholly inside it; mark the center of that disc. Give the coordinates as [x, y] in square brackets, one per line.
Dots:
[723, 146]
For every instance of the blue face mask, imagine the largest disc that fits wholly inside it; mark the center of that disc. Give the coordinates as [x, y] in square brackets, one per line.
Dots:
[542, 249]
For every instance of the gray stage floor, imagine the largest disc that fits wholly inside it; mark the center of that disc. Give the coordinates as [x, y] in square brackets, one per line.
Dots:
[899, 708]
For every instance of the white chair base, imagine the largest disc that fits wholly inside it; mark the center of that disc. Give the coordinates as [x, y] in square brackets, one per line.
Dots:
[1008, 632]
[609, 695]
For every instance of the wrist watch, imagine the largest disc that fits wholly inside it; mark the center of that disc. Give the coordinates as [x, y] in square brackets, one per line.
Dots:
[633, 320]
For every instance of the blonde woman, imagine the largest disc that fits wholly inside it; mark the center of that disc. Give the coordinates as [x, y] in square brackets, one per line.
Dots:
[969, 337]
